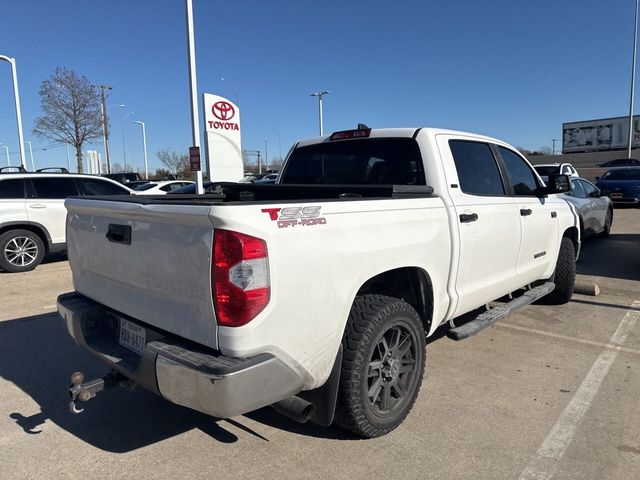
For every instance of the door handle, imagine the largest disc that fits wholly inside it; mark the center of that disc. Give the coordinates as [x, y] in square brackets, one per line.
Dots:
[525, 212]
[37, 205]
[468, 217]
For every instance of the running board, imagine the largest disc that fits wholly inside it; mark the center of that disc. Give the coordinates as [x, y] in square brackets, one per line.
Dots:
[491, 316]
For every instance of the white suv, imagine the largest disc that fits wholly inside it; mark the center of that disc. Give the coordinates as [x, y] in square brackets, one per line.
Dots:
[32, 213]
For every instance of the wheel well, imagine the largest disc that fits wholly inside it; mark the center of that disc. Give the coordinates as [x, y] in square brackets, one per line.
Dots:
[411, 284]
[32, 228]
[572, 234]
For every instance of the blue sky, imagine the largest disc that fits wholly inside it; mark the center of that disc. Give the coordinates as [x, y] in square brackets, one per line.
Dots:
[511, 69]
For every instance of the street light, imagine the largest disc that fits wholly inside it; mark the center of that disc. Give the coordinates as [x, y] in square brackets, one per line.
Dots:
[266, 154]
[144, 144]
[124, 141]
[7, 150]
[16, 96]
[33, 167]
[279, 143]
[319, 95]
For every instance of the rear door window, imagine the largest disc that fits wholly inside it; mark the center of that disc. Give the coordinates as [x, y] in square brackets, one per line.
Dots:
[12, 188]
[521, 175]
[477, 168]
[95, 186]
[54, 187]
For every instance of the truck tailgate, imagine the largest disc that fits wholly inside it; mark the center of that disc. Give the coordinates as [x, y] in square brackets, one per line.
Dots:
[151, 262]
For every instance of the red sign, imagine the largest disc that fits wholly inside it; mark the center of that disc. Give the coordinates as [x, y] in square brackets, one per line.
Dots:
[223, 111]
[194, 159]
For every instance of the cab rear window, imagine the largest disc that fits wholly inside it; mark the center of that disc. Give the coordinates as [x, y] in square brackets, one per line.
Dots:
[370, 161]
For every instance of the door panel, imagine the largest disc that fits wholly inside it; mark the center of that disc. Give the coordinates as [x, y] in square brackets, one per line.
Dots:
[488, 226]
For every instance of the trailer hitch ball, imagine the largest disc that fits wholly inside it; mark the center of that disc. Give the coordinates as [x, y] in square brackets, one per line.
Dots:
[84, 395]
[77, 378]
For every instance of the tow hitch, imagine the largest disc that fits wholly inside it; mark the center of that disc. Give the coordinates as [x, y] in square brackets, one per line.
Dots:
[86, 391]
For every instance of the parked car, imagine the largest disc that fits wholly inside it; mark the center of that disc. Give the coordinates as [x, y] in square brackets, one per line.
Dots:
[161, 187]
[270, 178]
[32, 213]
[620, 162]
[191, 188]
[595, 210]
[546, 169]
[135, 183]
[123, 177]
[315, 295]
[621, 184]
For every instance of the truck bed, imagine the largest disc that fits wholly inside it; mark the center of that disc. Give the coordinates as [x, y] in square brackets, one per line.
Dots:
[248, 192]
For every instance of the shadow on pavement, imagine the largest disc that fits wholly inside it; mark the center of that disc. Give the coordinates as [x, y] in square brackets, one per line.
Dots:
[617, 256]
[38, 356]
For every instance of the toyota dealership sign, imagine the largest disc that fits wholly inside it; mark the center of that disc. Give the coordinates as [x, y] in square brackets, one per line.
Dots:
[223, 141]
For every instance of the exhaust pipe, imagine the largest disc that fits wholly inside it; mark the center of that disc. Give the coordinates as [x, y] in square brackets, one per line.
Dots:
[295, 408]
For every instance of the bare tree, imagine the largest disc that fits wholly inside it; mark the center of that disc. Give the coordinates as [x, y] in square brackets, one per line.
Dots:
[71, 110]
[177, 163]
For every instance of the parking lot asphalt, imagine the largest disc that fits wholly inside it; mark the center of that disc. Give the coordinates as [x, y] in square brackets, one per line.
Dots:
[550, 392]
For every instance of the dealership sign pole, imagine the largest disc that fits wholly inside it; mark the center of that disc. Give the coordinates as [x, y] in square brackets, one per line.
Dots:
[194, 151]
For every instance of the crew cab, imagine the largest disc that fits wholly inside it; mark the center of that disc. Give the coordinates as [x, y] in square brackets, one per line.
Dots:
[315, 295]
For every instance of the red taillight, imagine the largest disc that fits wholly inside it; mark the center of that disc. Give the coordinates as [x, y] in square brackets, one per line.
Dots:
[240, 277]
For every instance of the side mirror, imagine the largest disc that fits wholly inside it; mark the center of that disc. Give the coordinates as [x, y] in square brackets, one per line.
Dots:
[555, 184]
[597, 178]
[595, 194]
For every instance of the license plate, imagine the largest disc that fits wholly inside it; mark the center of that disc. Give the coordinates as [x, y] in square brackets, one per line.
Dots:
[132, 336]
[616, 195]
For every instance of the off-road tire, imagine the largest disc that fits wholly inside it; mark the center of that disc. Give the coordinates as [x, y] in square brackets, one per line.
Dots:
[32, 251]
[564, 276]
[376, 322]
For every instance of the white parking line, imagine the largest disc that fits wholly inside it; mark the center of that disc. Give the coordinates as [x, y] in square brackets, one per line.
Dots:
[567, 338]
[545, 463]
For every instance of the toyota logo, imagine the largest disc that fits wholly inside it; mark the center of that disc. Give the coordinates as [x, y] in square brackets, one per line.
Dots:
[223, 110]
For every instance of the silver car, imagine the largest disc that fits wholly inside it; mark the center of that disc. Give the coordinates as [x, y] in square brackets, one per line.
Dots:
[595, 209]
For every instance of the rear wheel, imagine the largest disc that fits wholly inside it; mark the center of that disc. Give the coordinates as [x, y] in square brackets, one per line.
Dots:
[20, 251]
[383, 365]
[564, 276]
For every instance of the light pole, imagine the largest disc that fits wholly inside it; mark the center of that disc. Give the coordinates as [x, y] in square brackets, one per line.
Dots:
[144, 145]
[69, 161]
[633, 78]
[193, 93]
[16, 96]
[124, 141]
[279, 143]
[553, 147]
[319, 95]
[33, 167]
[266, 155]
[7, 150]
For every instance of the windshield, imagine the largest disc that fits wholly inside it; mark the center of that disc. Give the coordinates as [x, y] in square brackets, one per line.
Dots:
[546, 171]
[191, 188]
[371, 161]
[622, 174]
[146, 186]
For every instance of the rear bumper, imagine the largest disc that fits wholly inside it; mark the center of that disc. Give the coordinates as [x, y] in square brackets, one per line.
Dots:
[178, 370]
[627, 200]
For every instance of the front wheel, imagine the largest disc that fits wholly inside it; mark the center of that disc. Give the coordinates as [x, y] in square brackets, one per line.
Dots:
[20, 251]
[383, 364]
[564, 276]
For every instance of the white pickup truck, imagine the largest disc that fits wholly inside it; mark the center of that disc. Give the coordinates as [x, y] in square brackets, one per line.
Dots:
[315, 295]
